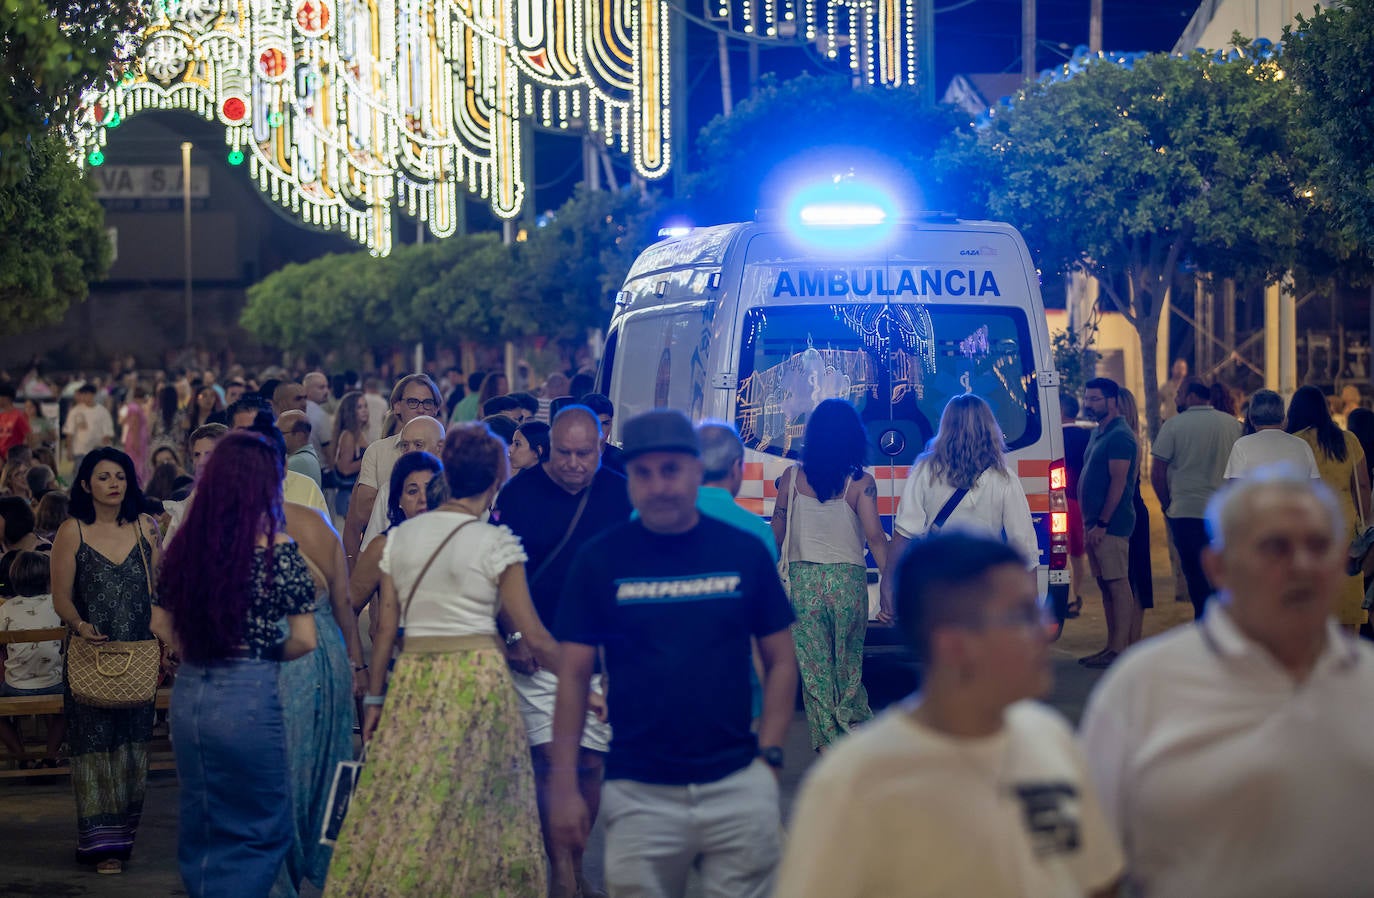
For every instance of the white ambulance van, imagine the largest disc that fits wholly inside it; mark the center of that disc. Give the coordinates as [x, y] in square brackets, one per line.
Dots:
[756, 323]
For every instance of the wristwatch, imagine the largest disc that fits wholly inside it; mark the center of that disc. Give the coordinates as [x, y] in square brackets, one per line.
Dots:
[772, 756]
[1101, 523]
[513, 638]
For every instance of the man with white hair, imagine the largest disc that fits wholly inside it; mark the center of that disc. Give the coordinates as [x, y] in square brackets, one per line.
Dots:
[321, 422]
[1269, 444]
[1234, 755]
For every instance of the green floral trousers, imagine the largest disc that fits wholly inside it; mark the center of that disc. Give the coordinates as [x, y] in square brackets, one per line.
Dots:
[831, 603]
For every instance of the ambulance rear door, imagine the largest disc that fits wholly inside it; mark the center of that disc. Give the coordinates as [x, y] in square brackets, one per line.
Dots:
[898, 330]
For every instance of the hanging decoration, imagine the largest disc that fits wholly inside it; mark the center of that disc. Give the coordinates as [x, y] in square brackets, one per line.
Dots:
[877, 38]
[346, 109]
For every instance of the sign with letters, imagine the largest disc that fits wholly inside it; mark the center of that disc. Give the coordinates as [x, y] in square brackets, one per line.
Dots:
[117, 183]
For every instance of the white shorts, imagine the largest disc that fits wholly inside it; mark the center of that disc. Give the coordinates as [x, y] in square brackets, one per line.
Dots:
[537, 693]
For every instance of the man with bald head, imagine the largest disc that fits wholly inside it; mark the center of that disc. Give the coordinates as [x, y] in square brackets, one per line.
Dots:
[420, 434]
[556, 508]
[412, 396]
[1233, 755]
[300, 453]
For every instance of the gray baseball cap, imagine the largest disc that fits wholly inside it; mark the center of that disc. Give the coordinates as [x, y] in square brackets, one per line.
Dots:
[661, 430]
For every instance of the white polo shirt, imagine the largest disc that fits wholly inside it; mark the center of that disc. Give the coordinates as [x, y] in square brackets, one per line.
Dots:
[378, 461]
[1225, 777]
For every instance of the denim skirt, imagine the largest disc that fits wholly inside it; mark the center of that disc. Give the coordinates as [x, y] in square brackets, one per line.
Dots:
[236, 825]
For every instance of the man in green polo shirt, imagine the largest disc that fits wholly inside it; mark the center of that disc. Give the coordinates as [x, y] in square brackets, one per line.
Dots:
[1111, 466]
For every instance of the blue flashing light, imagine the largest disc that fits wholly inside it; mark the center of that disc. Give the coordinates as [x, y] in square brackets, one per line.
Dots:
[675, 231]
[842, 214]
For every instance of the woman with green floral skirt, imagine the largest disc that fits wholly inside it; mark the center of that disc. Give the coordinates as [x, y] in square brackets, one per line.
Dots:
[827, 509]
[445, 805]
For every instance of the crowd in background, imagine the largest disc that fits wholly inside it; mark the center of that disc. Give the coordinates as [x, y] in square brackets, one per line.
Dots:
[246, 523]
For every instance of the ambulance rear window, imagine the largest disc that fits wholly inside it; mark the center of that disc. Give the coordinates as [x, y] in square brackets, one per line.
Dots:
[898, 364]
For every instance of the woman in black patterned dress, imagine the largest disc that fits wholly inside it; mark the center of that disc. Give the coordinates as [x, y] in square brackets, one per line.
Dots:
[102, 562]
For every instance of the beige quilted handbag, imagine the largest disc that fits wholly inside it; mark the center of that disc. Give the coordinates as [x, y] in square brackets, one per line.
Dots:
[115, 674]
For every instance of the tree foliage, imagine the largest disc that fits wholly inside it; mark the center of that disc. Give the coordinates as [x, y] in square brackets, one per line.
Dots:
[577, 261]
[1075, 358]
[1129, 172]
[556, 283]
[808, 128]
[1329, 56]
[53, 52]
[52, 239]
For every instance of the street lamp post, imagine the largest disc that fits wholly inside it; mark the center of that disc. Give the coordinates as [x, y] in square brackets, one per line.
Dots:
[186, 228]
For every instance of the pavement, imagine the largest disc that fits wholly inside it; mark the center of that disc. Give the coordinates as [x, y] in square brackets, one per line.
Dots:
[37, 821]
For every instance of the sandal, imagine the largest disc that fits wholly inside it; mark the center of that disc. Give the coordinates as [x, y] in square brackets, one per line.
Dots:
[1073, 609]
[109, 867]
[1101, 662]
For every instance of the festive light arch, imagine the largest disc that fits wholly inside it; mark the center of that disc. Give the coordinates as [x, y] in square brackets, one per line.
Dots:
[344, 109]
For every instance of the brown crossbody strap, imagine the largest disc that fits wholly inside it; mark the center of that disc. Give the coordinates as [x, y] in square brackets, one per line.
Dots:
[147, 570]
[562, 543]
[405, 609]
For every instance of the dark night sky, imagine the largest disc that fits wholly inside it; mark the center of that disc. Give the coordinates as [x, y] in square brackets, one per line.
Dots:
[978, 36]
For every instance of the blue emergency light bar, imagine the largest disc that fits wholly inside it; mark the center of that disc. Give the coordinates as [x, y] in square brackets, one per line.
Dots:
[841, 215]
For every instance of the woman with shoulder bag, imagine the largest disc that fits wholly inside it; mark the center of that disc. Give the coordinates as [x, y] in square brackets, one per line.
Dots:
[232, 575]
[962, 480]
[103, 557]
[446, 803]
[1341, 463]
[827, 510]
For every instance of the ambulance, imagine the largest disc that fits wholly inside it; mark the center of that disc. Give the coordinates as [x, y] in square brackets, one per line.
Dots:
[755, 323]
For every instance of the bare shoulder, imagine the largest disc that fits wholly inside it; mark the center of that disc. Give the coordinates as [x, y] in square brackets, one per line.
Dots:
[67, 535]
[309, 527]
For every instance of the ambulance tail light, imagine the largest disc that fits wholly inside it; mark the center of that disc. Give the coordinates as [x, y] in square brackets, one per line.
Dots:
[1059, 516]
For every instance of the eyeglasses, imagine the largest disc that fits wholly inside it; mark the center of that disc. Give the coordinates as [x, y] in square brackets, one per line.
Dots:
[427, 404]
[1037, 616]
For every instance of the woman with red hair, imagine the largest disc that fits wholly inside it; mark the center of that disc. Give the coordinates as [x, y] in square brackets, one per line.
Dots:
[230, 576]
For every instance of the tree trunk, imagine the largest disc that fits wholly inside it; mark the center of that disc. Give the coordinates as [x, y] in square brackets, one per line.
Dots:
[1148, 332]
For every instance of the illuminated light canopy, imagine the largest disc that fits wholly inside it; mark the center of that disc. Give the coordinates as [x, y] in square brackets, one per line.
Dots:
[348, 109]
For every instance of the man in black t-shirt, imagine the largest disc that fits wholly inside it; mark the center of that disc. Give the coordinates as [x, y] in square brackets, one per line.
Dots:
[556, 508]
[675, 599]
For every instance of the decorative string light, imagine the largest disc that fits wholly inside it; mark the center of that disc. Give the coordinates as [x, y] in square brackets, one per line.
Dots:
[346, 109]
[881, 35]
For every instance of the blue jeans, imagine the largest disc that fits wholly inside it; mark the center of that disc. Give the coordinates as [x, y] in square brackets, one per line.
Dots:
[230, 743]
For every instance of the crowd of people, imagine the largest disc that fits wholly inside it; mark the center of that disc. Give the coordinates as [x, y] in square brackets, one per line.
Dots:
[532, 630]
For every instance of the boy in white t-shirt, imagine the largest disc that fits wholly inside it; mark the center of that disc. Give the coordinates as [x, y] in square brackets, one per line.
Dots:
[32, 668]
[965, 788]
